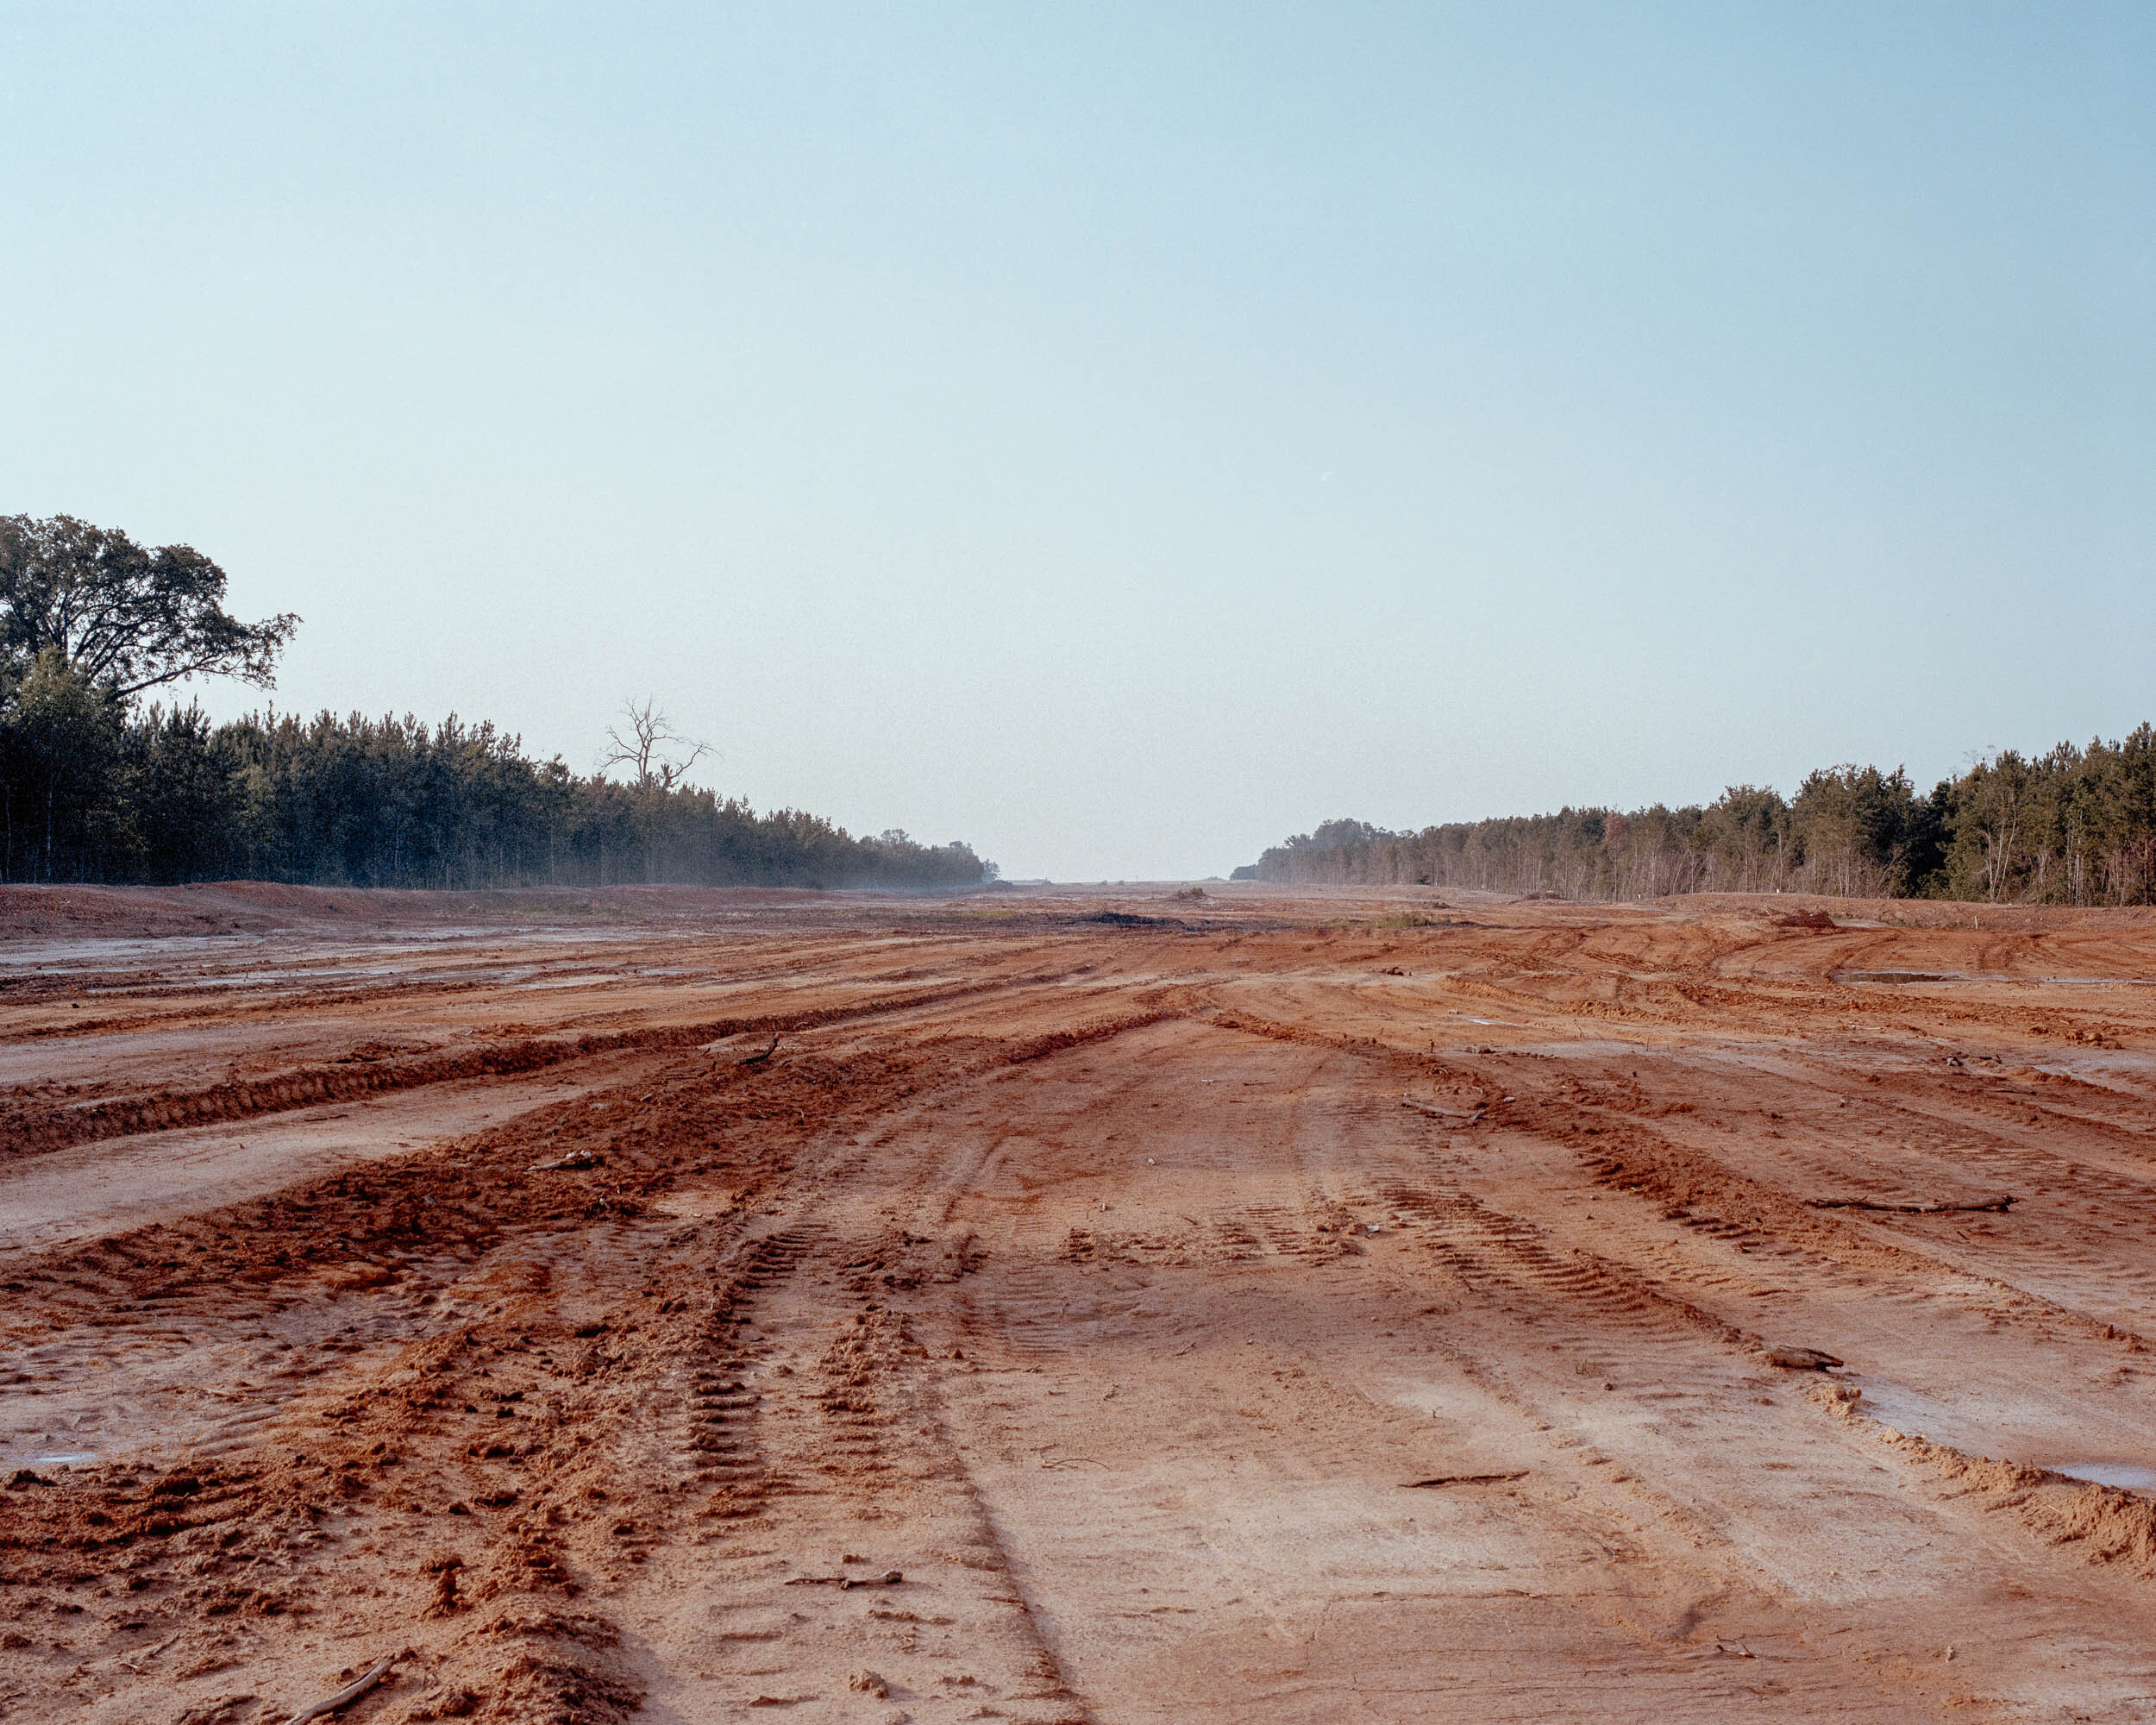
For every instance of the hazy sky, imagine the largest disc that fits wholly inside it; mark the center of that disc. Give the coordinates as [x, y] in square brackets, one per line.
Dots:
[1121, 437]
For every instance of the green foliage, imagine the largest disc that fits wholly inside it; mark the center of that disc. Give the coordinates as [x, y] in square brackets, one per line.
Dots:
[180, 814]
[59, 740]
[1854, 825]
[2073, 827]
[127, 617]
[92, 789]
[93, 793]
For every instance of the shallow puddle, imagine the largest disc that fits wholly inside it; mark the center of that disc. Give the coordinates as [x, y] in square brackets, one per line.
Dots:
[2125, 1475]
[1906, 1410]
[1893, 1405]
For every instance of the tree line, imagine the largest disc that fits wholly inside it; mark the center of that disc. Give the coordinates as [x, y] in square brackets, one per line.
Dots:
[2075, 826]
[101, 781]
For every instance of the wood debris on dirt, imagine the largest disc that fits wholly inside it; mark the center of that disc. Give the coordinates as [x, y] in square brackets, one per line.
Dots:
[345, 1696]
[889, 1578]
[1435, 1113]
[575, 1162]
[1462, 1479]
[1927, 1206]
[1803, 1358]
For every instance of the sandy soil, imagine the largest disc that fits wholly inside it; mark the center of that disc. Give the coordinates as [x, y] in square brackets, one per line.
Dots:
[1283, 1306]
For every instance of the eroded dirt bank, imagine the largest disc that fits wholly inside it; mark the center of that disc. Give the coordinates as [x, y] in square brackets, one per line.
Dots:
[1306, 1305]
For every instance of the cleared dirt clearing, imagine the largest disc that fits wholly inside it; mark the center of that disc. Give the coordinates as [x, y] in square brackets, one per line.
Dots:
[1288, 1306]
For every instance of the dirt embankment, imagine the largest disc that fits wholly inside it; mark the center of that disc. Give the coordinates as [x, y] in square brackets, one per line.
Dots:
[256, 908]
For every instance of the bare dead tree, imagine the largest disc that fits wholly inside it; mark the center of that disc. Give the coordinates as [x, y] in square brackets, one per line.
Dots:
[652, 749]
[661, 757]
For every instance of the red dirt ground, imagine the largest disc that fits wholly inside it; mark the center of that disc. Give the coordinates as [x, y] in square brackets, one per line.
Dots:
[1272, 1305]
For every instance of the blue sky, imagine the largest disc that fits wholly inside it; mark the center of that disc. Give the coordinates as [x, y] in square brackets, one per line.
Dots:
[1123, 435]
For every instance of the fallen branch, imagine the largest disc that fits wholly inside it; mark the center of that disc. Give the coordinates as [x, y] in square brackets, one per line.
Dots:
[1435, 1113]
[574, 1162]
[760, 1056]
[891, 1578]
[133, 1661]
[1463, 1479]
[1935, 1207]
[345, 1696]
[1801, 1359]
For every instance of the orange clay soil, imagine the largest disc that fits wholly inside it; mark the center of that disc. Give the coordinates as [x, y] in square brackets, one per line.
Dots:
[1264, 1306]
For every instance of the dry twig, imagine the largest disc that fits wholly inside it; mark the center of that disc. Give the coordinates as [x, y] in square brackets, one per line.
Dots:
[1932, 1206]
[345, 1696]
[1463, 1479]
[133, 1661]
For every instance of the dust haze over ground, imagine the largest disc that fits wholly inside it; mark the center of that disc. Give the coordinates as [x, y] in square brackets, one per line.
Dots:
[1061, 1305]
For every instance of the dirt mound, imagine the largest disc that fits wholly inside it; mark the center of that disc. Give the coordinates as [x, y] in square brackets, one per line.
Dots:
[1817, 920]
[230, 907]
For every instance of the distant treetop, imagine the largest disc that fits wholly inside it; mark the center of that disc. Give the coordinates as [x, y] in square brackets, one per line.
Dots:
[123, 617]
